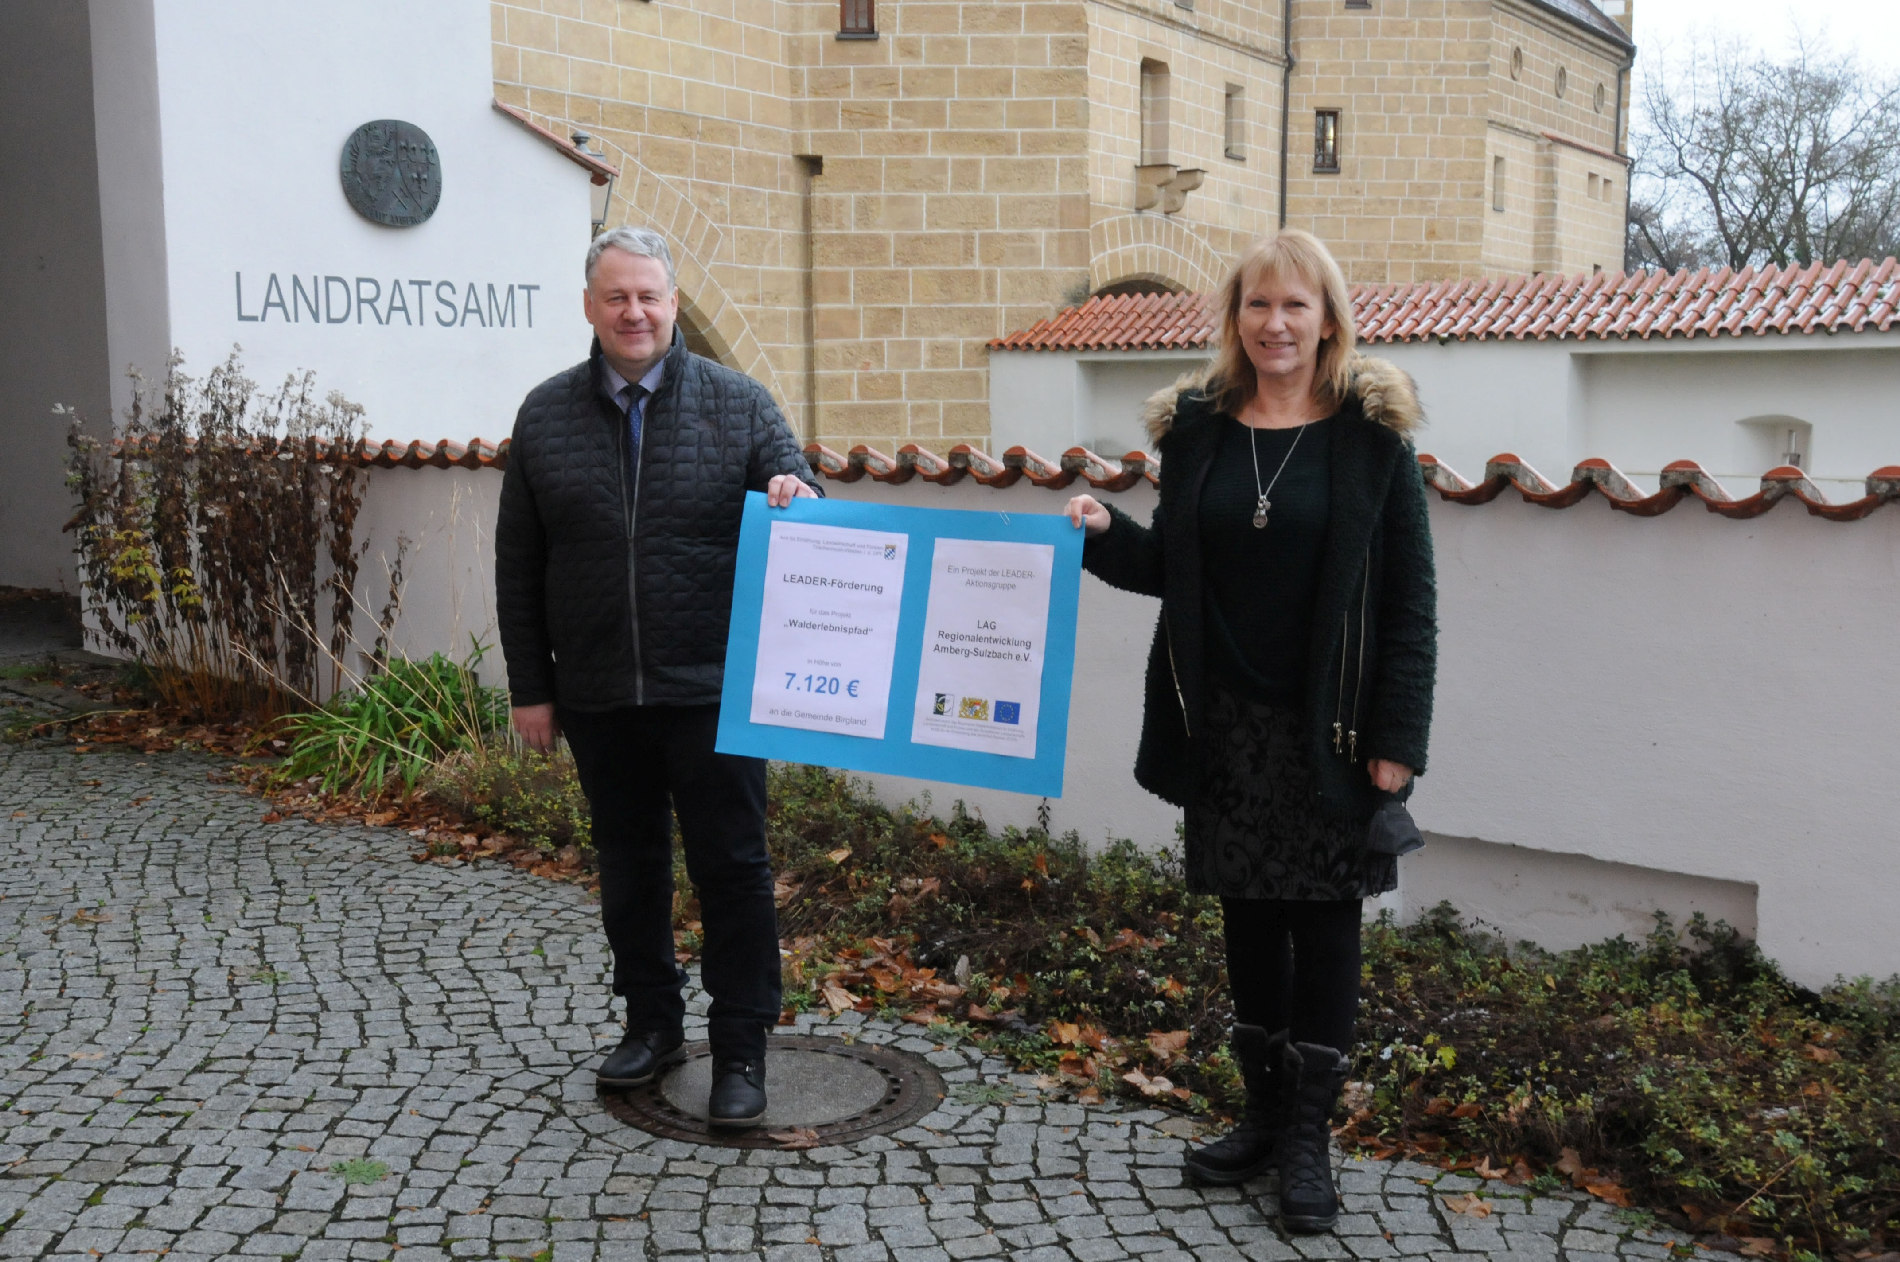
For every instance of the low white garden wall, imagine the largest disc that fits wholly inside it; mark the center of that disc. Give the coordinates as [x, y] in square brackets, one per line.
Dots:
[1681, 712]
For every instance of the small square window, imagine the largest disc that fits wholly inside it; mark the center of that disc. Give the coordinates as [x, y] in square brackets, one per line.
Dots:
[1326, 141]
[857, 19]
[1596, 187]
[1234, 124]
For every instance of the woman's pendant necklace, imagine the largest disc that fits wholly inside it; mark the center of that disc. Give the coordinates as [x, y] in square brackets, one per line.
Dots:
[1262, 504]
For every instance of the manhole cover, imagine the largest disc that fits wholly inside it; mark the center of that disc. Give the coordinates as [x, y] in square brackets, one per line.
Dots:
[841, 1091]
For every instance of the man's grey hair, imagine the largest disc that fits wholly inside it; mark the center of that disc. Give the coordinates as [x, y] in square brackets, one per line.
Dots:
[641, 241]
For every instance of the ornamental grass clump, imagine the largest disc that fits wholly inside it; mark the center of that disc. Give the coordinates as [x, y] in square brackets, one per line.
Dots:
[393, 727]
[216, 538]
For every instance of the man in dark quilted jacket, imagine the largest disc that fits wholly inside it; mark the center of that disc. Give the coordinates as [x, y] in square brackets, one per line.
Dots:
[614, 555]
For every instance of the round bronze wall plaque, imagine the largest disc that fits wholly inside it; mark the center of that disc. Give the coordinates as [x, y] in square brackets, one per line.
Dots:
[391, 173]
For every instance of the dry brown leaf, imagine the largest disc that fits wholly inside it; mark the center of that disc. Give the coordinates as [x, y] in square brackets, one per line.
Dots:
[1090, 1094]
[1468, 1109]
[1614, 1193]
[1758, 1247]
[939, 840]
[1470, 1204]
[839, 855]
[1155, 1086]
[794, 1138]
[1167, 1044]
[1075, 1065]
[837, 998]
[1485, 1170]
[1820, 1055]
[1570, 1164]
[1064, 1033]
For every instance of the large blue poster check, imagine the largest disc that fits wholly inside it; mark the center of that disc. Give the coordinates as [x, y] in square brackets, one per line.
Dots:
[925, 642]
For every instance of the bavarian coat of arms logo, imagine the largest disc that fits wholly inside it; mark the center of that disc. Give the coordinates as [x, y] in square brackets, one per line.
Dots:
[391, 173]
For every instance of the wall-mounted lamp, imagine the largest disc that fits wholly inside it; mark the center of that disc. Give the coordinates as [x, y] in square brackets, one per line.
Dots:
[603, 191]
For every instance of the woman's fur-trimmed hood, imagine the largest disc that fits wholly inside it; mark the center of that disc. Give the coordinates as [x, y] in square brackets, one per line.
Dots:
[1383, 390]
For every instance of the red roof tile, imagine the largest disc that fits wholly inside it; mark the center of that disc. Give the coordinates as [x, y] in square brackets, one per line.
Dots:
[389, 454]
[1821, 298]
[1679, 481]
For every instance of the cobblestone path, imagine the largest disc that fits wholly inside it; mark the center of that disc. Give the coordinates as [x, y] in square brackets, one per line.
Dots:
[226, 1038]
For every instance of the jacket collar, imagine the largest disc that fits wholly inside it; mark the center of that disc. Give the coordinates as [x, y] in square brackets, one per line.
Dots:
[1380, 391]
[597, 363]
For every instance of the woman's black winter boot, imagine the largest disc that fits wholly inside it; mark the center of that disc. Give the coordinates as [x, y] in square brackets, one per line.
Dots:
[1308, 1201]
[1247, 1150]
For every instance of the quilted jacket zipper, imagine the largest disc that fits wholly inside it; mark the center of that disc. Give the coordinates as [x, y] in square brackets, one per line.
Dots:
[630, 508]
[1168, 631]
[1346, 726]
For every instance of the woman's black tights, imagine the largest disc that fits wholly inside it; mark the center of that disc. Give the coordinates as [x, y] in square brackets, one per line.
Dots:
[1294, 966]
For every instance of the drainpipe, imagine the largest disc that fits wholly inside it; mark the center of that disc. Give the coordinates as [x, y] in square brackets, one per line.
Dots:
[1622, 149]
[1286, 98]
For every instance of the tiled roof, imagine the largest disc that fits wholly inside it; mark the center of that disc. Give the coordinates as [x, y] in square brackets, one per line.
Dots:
[1679, 481]
[1588, 16]
[441, 454]
[1821, 298]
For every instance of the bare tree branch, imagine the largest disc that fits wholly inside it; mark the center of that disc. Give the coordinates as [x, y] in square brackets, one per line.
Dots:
[1741, 160]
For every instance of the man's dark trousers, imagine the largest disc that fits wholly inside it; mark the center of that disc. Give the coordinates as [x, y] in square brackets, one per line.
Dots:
[638, 766]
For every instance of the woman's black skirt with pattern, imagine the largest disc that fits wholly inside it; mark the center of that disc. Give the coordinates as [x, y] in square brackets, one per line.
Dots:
[1256, 828]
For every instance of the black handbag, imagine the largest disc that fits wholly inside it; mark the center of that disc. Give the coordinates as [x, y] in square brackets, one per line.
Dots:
[1393, 832]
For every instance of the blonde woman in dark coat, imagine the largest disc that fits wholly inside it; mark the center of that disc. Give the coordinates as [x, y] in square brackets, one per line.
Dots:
[1289, 688]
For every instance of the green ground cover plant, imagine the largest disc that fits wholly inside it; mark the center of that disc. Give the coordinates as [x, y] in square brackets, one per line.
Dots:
[393, 727]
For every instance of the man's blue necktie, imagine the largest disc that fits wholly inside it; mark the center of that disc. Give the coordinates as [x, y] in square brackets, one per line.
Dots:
[636, 396]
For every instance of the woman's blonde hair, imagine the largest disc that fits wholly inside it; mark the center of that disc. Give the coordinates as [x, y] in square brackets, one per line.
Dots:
[1288, 252]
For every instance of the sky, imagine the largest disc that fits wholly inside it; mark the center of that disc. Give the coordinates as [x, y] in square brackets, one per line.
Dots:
[1871, 28]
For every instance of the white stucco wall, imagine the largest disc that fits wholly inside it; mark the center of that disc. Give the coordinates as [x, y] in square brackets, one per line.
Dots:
[1686, 693]
[52, 323]
[255, 103]
[448, 593]
[1639, 405]
[1682, 712]
[129, 154]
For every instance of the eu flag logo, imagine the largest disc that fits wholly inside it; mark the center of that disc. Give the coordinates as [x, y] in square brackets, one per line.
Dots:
[1009, 712]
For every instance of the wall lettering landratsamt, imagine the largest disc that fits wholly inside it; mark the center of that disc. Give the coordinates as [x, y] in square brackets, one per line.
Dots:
[365, 299]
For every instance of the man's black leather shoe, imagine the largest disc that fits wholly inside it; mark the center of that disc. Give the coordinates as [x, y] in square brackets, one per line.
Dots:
[639, 1057]
[738, 1094]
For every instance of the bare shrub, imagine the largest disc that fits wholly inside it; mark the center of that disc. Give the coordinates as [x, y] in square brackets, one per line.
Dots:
[216, 537]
